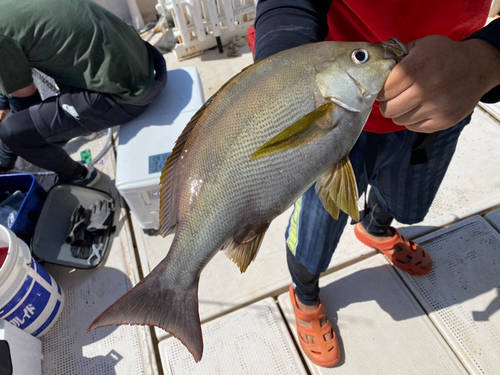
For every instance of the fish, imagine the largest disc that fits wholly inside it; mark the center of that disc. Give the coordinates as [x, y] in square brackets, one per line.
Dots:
[272, 131]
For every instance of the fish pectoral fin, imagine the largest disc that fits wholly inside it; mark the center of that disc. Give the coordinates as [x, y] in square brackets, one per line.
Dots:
[312, 126]
[242, 248]
[337, 189]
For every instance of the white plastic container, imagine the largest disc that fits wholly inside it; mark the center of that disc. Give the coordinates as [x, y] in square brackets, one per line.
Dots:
[30, 298]
[25, 350]
[145, 143]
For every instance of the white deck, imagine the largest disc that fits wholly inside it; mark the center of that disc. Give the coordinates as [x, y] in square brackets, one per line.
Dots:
[382, 328]
[444, 323]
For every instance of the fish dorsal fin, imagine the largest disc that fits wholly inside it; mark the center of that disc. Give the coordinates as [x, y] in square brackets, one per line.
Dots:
[337, 189]
[168, 208]
[168, 205]
[312, 126]
[242, 248]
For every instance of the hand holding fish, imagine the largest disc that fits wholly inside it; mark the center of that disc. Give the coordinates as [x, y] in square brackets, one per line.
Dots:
[439, 83]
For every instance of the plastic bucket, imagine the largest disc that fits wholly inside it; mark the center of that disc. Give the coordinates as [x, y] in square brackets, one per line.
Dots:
[30, 298]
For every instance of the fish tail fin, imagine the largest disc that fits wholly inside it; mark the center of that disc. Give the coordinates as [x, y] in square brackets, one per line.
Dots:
[150, 303]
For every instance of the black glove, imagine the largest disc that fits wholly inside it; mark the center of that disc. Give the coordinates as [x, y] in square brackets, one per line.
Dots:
[79, 221]
[82, 248]
[101, 217]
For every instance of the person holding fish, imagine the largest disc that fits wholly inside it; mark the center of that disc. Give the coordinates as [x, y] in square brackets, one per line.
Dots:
[289, 128]
[409, 138]
[107, 75]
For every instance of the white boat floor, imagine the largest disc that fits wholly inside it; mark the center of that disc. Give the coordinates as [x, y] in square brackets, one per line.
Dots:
[388, 322]
[252, 340]
[68, 348]
[461, 293]
[214, 68]
[380, 326]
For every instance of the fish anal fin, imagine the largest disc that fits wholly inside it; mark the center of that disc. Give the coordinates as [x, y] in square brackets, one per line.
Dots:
[337, 189]
[243, 247]
[174, 310]
[312, 126]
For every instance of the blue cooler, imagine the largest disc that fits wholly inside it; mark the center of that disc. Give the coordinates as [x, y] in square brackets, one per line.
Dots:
[31, 207]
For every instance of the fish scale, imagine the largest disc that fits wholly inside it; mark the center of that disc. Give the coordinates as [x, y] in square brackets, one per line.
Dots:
[262, 140]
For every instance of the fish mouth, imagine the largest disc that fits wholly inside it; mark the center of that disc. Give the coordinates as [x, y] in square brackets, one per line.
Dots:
[394, 49]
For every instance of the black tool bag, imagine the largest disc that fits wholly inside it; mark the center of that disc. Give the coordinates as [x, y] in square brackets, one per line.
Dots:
[73, 229]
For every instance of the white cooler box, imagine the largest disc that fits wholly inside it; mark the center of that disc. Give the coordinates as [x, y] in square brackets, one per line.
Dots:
[145, 143]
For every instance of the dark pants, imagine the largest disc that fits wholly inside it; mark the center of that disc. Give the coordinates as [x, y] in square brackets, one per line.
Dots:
[400, 189]
[38, 133]
[376, 222]
[7, 157]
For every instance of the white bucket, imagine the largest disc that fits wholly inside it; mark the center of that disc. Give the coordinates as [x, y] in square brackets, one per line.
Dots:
[30, 298]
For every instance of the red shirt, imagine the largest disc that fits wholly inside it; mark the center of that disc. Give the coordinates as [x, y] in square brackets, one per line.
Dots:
[375, 21]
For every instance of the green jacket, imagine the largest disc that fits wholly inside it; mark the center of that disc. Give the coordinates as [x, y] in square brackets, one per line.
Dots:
[77, 43]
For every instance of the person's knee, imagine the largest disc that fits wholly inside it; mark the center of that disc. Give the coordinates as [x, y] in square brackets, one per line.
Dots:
[16, 128]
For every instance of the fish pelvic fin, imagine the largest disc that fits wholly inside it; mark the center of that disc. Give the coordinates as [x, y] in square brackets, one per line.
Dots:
[337, 189]
[312, 126]
[244, 246]
[150, 303]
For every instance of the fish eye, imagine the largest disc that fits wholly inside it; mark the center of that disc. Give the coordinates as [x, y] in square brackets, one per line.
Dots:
[359, 56]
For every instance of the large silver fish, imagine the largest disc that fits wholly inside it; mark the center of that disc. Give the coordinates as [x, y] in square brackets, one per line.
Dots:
[261, 141]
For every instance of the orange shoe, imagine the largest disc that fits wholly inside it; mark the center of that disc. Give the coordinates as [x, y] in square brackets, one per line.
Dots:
[322, 352]
[402, 252]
